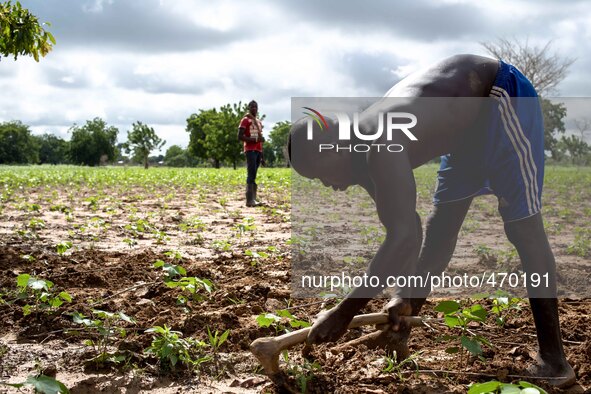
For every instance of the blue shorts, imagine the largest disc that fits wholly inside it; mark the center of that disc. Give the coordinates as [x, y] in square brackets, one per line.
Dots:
[510, 164]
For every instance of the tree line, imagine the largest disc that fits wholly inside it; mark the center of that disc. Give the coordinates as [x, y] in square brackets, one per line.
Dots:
[213, 142]
[212, 134]
[91, 144]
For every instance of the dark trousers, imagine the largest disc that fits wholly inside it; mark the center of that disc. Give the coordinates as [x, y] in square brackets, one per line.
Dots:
[253, 161]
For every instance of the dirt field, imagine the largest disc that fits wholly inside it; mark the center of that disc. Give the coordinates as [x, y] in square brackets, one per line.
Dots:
[96, 234]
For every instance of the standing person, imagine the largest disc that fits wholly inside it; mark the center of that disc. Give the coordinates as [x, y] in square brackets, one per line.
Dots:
[505, 155]
[250, 131]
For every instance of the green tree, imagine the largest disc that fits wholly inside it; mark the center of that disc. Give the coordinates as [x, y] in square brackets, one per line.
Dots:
[579, 152]
[278, 141]
[220, 142]
[213, 134]
[176, 156]
[120, 155]
[21, 33]
[156, 160]
[195, 127]
[269, 155]
[52, 149]
[554, 114]
[142, 140]
[94, 143]
[17, 145]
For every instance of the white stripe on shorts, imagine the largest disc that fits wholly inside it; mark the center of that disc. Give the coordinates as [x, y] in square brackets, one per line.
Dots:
[511, 128]
[529, 154]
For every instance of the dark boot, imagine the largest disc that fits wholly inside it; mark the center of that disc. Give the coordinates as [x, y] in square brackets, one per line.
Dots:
[255, 195]
[250, 201]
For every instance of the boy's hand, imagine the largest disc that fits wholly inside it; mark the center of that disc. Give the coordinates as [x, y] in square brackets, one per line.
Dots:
[395, 308]
[329, 326]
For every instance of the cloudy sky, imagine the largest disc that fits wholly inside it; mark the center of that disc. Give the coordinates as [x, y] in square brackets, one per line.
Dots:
[158, 61]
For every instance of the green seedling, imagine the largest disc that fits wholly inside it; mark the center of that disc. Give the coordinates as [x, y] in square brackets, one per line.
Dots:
[40, 292]
[161, 237]
[508, 258]
[29, 207]
[470, 225]
[503, 305]
[197, 239]
[234, 214]
[494, 258]
[130, 242]
[582, 244]
[496, 387]
[60, 208]
[246, 226]
[353, 260]
[93, 229]
[174, 254]
[41, 384]
[216, 340]
[256, 257]
[138, 227]
[303, 373]
[105, 326]
[197, 288]
[223, 201]
[92, 202]
[486, 255]
[458, 318]
[554, 228]
[373, 235]
[236, 301]
[281, 321]
[567, 214]
[28, 257]
[172, 271]
[171, 348]
[192, 224]
[63, 247]
[393, 366]
[223, 246]
[36, 224]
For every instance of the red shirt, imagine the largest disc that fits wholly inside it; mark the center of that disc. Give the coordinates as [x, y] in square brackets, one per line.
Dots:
[251, 130]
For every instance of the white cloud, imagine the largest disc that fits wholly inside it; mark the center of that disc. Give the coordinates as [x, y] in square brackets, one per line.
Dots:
[96, 6]
[160, 61]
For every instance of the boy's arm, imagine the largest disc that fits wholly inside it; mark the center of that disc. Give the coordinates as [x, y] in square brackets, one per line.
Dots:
[244, 124]
[244, 138]
[395, 197]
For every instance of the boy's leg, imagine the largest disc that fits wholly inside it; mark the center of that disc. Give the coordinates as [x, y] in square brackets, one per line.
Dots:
[259, 158]
[441, 235]
[251, 167]
[530, 240]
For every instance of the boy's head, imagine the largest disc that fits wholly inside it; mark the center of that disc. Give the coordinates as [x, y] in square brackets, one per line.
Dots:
[332, 168]
[253, 108]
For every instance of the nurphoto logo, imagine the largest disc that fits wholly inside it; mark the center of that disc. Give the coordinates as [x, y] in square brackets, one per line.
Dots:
[392, 120]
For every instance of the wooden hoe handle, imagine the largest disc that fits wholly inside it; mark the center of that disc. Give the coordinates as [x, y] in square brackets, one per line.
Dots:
[267, 350]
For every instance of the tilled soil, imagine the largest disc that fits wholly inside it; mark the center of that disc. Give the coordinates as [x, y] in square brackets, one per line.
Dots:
[101, 272]
[127, 282]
